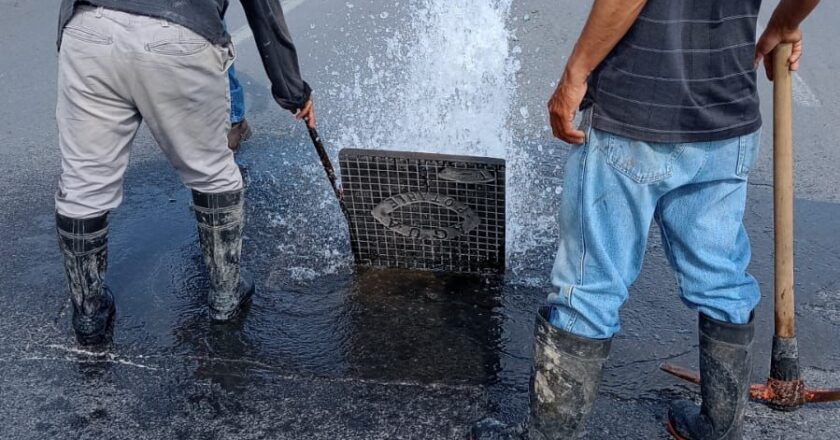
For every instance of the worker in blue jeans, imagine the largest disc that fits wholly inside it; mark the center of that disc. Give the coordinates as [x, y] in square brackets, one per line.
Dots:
[670, 132]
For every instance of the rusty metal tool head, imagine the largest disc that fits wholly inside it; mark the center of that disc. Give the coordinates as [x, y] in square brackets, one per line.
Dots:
[778, 393]
[785, 390]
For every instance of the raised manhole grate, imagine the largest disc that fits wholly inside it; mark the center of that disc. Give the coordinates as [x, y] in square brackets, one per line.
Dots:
[425, 211]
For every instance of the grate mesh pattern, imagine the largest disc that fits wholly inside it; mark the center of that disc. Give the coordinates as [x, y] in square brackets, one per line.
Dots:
[425, 211]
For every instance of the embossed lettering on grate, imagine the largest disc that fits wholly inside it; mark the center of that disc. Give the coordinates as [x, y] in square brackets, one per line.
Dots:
[425, 211]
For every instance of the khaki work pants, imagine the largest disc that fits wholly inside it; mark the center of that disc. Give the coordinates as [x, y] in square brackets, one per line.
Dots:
[116, 70]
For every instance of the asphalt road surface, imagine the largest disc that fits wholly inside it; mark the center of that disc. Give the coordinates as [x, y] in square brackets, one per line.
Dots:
[331, 352]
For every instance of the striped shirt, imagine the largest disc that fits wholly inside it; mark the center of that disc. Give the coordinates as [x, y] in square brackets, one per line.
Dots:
[683, 73]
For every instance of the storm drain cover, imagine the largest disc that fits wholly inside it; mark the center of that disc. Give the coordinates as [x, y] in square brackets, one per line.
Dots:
[425, 211]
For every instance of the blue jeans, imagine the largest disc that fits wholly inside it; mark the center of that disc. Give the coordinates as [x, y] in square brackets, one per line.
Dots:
[237, 97]
[614, 187]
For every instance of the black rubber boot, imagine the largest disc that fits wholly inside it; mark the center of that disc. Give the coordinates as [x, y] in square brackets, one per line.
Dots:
[725, 366]
[220, 223]
[565, 379]
[84, 244]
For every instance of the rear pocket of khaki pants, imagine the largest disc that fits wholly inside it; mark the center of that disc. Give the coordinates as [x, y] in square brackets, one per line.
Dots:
[86, 34]
[178, 47]
[177, 40]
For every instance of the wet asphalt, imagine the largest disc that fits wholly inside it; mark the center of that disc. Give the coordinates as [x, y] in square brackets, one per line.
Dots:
[330, 351]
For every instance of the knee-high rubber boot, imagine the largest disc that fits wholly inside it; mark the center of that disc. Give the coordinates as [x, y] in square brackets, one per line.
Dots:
[565, 379]
[725, 366]
[84, 245]
[220, 223]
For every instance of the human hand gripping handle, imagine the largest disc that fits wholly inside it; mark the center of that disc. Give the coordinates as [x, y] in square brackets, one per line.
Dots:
[307, 113]
[771, 39]
[783, 28]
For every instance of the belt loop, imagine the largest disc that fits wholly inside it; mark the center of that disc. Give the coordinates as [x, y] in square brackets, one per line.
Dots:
[164, 23]
[99, 12]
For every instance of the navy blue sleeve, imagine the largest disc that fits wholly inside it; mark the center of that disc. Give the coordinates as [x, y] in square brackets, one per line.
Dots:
[279, 56]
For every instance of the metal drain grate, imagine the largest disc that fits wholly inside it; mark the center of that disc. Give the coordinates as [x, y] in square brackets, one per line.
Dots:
[425, 211]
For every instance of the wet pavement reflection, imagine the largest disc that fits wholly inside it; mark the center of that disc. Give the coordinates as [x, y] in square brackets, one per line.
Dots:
[424, 327]
[331, 351]
[320, 328]
[328, 319]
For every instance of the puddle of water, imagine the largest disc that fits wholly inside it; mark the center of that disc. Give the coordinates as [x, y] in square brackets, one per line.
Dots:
[371, 324]
[443, 81]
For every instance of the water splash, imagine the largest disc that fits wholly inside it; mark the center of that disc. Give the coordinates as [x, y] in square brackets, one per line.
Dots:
[445, 80]
[444, 83]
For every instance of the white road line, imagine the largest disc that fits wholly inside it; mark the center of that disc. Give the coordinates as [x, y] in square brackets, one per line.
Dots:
[802, 93]
[244, 33]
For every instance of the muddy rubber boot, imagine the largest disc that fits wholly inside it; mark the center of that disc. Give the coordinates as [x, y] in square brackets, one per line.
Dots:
[84, 245]
[220, 223]
[725, 366]
[565, 379]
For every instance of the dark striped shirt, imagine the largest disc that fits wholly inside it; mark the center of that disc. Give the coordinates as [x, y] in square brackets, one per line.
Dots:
[683, 73]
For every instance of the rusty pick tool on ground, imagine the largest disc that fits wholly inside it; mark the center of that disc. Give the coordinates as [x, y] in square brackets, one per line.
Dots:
[785, 390]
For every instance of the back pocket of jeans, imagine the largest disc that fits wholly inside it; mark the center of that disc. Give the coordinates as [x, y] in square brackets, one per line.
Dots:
[644, 162]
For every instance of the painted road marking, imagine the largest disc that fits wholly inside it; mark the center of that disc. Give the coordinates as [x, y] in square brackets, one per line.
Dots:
[802, 94]
[244, 33]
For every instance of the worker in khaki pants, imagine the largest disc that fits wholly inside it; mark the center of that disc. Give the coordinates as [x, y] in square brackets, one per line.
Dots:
[117, 69]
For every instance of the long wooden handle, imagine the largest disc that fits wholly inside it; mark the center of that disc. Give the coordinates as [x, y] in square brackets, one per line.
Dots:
[783, 191]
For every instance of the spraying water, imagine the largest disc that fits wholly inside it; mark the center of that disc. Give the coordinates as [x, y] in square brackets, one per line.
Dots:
[444, 83]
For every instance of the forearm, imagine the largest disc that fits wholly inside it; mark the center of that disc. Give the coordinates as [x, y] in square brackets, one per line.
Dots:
[279, 56]
[789, 14]
[607, 24]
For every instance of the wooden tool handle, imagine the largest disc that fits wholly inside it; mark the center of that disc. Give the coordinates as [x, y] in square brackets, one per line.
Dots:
[783, 191]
